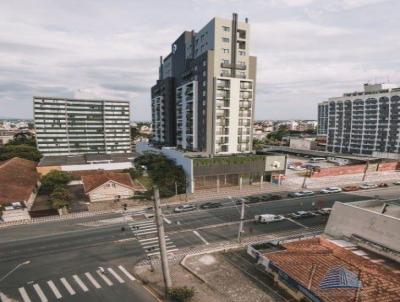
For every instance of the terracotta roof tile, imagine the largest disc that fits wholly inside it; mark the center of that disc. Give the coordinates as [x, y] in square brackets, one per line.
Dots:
[315, 257]
[18, 178]
[99, 178]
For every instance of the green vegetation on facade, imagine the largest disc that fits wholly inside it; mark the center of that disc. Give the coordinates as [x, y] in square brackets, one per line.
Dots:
[227, 160]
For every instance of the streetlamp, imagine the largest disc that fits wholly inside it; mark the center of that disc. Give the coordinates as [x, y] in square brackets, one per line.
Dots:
[14, 269]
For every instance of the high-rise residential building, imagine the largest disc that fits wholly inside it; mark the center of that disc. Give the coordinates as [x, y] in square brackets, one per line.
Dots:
[204, 97]
[75, 126]
[362, 122]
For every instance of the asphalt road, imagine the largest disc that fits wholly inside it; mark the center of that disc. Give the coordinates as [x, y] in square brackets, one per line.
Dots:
[75, 249]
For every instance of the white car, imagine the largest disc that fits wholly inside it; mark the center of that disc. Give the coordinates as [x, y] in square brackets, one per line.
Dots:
[185, 208]
[368, 185]
[268, 218]
[330, 190]
[301, 193]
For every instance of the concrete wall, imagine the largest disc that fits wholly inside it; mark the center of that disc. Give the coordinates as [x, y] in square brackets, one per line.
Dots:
[300, 143]
[346, 220]
[100, 166]
[356, 169]
[110, 191]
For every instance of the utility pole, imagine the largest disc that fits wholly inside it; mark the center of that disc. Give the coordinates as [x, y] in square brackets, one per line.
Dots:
[365, 170]
[161, 241]
[241, 220]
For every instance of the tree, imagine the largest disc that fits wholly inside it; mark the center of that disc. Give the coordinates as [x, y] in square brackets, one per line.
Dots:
[19, 150]
[54, 179]
[163, 172]
[181, 294]
[257, 144]
[60, 197]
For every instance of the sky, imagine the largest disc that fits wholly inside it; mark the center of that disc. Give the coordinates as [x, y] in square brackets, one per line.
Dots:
[308, 50]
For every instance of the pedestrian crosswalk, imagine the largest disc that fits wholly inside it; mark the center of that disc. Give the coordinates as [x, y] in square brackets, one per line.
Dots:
[64, 287]
[146, 232]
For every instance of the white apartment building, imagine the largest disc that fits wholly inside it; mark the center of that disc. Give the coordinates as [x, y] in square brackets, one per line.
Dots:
[75, 126]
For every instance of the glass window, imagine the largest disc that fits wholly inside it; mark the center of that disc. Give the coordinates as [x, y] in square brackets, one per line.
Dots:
[226, 28]
[225, 40]
[225, 50]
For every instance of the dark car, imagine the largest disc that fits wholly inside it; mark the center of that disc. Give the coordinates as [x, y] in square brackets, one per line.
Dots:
[210, 205]
[383, 185]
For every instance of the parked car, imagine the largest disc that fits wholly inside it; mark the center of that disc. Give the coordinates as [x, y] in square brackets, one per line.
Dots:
[397, 183]
[251, 199]
[301, 193]
[301, 214]
[368, 185]
[383, 185]
[330, 190]
[185, 208]
[268, 218]
[350, 188]
[323, 211]
[211, 205]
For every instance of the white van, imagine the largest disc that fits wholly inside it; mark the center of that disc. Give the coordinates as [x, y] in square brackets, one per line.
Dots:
[267, 218]
[317, 159]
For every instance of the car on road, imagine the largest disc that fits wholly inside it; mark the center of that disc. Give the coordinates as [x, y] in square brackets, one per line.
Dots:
[330, 190]
[301, 214]
[383, 185]
[301, 193]
[210, 205]
[268, 218]
[323, 211]
[397, 183]
[185, 208]
[368, 185]
[350, 188]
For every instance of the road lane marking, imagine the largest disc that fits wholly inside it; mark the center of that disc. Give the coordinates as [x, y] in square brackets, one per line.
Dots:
[157, 253]
[93, 280]
[39, 292]
[126, 273]
[4, 298]
[80, 283]
[145, 233]
[201, 237]
[104, 277]
[153, 239]
[167, 220]
[24, 294]
[298, 223]
[67, 286]
[120, 280]
[54, 289]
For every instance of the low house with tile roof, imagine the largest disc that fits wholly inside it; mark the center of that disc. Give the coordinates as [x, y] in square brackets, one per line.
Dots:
[19, 183]
[110, 186]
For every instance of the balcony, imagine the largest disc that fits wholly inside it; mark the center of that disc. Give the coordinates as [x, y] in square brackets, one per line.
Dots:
[234, 66]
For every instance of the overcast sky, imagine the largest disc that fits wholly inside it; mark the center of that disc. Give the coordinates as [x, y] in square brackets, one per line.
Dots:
[308, 50]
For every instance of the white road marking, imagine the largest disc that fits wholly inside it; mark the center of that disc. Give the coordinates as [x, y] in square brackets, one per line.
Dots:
[93, 280]
[120, 280]
[106, 280]
[149, 239]
[24, 294]
[145, 233]
[167, 220]
[157, 253]
[80, 283]
[298, 223]
[54, 289]
[39, 292]
[67, 286]
[201, 237]
[4, 298]
[126, 273]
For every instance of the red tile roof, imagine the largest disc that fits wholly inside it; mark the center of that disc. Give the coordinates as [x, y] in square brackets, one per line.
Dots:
[308, 261]
[18, 178]
[93, 181]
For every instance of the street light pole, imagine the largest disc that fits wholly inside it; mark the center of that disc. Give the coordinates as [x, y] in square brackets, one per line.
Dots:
[241, 221]
[161, 241]
[14, 269]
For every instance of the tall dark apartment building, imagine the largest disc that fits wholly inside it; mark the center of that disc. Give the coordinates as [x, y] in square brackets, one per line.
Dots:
[204, 96]
[362, 122]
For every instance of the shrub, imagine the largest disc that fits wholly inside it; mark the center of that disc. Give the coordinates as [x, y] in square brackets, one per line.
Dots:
[181, 294]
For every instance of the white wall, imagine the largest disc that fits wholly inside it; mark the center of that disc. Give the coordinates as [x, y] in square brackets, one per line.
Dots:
[102, 166]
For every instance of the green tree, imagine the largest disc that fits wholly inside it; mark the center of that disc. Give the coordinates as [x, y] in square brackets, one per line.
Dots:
[60, 197]
[258, 144]
[19, 150]
[54, 179]
[181, 294]
[163, 172]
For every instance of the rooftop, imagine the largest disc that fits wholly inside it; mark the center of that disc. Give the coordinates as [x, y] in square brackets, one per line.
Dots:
[311, 261]
[18, 178]
[77, 99]
[93, 181]
[82, 159]
[388, 208]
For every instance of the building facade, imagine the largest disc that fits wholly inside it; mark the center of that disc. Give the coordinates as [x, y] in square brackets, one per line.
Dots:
[362, 122]
[204, 97]
[75, 126]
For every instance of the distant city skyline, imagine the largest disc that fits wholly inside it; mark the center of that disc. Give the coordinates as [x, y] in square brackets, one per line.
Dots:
[308, 50]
